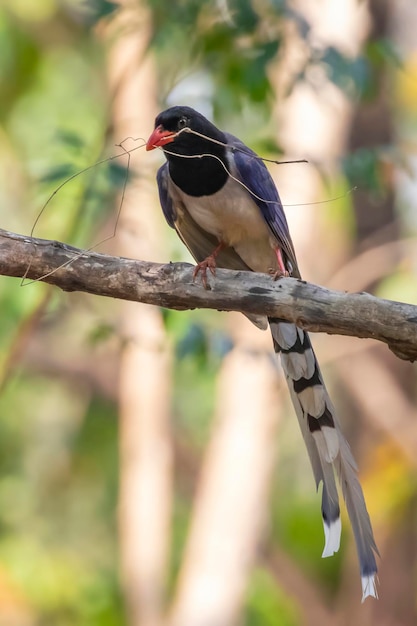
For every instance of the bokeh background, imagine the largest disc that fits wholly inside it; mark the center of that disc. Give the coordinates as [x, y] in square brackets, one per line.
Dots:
[151, 468]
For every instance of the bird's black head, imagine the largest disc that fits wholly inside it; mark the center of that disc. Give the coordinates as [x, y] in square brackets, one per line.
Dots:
[183, 132]
[186, 131]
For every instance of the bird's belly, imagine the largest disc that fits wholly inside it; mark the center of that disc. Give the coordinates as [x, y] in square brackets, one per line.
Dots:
[233, 218]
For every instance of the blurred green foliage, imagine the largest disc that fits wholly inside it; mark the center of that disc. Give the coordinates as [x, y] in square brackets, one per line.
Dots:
[58, 431]
[267, 605]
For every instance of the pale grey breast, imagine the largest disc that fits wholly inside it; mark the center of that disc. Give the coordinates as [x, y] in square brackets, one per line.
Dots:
[232, 216]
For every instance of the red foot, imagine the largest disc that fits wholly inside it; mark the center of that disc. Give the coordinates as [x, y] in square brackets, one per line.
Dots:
[208, 263]
[282, 271]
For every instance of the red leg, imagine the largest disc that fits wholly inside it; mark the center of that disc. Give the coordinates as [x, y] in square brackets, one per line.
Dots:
[282, 271]
[208, 263]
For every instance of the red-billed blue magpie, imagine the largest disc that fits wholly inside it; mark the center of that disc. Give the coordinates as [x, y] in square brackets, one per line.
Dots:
[220, 198]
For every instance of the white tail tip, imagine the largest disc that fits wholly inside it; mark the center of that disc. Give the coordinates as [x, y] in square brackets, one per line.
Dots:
[369, 587]
[332, 533]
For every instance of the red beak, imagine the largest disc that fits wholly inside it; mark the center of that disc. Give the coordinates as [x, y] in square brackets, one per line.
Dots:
[159, 138]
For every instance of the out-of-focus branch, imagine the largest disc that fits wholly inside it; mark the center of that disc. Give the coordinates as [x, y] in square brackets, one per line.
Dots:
[388, 410]
[309, 306]
[230, 508]
[296, 584]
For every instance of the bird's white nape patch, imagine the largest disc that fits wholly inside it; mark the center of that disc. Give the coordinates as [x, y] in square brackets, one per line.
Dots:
[332, 534]
[369, 587]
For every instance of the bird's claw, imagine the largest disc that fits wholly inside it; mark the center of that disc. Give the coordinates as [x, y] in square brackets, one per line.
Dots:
[278, 273]
[208, 264]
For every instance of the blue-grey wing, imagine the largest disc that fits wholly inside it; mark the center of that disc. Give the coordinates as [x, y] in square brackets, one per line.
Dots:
[162, 179]
[255, 176]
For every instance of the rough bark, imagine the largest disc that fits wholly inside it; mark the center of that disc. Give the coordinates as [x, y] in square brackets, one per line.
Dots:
[311, 307]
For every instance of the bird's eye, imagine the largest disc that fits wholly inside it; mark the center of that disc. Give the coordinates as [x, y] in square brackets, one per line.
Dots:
[182, 122]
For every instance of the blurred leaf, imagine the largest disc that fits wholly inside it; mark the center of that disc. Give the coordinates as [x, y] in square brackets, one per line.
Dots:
[104, 8]
[91, 11]
[362, 169]
[59, 173]
[401, 285]
[244, 18]
[279, 6]
[390, 483]
[236, 52]
[193, 343]
[384, 50]
[101, 333]
[220, 344]
[20, 57]
[70, 138]
[117, 174]
[267, 604]
[351, 75]
[268, 147]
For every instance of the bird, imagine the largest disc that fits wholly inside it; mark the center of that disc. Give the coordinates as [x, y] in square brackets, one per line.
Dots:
[221, 200]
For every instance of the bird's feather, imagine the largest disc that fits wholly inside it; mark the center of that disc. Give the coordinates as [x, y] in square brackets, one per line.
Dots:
[328, 451]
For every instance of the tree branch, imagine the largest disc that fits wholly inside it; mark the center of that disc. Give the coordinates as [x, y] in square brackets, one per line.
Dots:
[309, 306]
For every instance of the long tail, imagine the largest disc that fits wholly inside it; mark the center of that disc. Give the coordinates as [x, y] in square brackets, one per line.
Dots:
[327, 448]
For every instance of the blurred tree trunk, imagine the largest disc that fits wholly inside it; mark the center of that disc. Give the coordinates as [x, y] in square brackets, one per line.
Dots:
[230, 510]
[372, 127]
[392, 408]
[314, 122]
[145, 372]
[324, 123]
